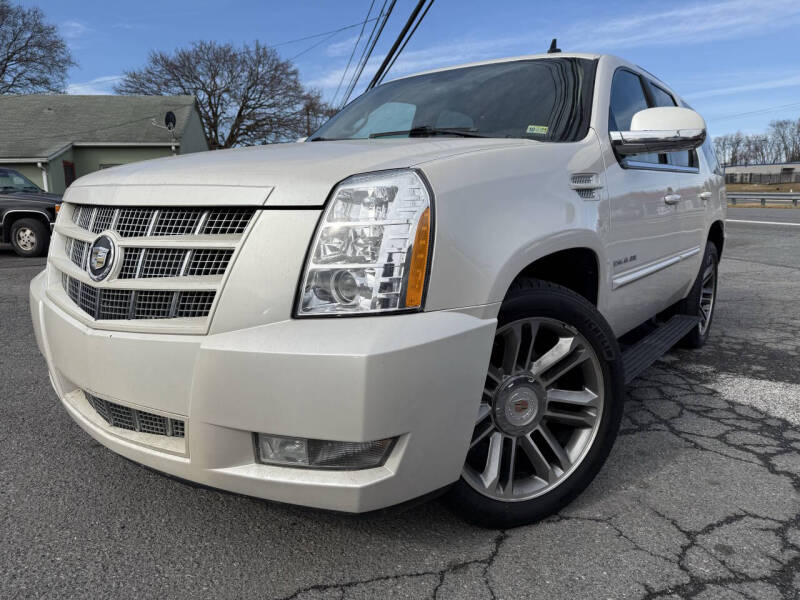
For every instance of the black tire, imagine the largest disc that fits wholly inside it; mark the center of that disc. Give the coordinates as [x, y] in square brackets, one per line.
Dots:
[533, 298]
[690, 305]
[29, 237]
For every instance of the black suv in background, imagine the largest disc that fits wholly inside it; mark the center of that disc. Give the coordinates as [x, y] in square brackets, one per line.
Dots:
[27, 214]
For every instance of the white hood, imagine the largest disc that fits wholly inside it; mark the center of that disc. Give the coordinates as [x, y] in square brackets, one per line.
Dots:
[295, 174]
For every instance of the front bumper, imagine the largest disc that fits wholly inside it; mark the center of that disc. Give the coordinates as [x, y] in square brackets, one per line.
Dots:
[416, 377]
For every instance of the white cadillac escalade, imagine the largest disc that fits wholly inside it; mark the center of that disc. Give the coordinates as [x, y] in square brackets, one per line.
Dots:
[446, 287]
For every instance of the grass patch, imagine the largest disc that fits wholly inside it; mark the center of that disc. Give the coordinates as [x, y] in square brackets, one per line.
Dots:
[764, 187]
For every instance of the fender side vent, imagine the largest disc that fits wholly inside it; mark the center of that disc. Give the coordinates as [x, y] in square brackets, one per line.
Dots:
[585, 185]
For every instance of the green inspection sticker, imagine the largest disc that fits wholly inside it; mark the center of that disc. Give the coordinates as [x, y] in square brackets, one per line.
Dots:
[537, 129]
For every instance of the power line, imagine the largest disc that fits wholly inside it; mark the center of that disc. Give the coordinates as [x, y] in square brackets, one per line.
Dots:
[352, 54]
[312, 46]
[756, 112]
[396, 45]
[368, 52]
[359, 65]
[316, 35]
[405, 42]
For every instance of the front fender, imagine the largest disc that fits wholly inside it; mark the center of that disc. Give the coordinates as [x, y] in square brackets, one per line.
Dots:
[499, 211]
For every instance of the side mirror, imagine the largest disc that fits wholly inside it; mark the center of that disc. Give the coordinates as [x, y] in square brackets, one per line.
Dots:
[661, 129]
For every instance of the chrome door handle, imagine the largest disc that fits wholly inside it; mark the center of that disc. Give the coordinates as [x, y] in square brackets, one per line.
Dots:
[704, 196]
[672, 198]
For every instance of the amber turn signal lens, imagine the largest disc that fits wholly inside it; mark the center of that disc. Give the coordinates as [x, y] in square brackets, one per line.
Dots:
[419, 261]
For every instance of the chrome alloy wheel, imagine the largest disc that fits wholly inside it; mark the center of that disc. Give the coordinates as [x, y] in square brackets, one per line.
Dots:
[540, 411]
[708, 294]
[26, 238]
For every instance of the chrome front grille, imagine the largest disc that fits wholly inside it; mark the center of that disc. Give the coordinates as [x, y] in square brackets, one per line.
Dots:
[139, 222]
[157, 274]
[174, 262]
[131, 222]
[103, 219]
[132, 419]
[177, 222]
[110, 304]
[76, 250]
[159, 262]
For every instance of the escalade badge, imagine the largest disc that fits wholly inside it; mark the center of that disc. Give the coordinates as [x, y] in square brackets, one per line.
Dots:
[101, 258]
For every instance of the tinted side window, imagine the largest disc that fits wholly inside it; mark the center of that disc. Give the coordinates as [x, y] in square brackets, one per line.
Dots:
[663, 98]
[627, 98]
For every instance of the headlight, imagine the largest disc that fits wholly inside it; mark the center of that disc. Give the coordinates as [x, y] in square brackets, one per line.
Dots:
[371, 250]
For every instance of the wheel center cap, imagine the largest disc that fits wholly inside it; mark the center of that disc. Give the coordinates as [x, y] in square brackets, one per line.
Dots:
[519, 405]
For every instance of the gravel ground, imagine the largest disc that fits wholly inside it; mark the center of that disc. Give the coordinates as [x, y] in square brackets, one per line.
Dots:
[698, 499]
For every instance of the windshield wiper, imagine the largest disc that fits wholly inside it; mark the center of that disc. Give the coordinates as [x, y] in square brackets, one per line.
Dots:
[425, 130]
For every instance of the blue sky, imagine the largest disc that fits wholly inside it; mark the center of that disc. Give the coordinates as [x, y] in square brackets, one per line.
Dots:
[736, 61]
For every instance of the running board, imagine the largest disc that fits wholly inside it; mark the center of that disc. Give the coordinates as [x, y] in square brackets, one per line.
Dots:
[649, 349]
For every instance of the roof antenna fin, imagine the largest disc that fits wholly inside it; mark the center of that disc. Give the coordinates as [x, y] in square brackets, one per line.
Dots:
[553, 49]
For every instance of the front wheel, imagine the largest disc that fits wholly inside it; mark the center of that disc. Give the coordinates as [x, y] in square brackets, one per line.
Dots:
[550, 410]
[29, 237]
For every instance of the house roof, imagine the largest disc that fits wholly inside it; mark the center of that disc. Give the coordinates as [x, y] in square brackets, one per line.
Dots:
[39, 126]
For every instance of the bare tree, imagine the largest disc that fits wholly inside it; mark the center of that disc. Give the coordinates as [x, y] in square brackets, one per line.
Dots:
[786, 134]
[781, 143]
[34, 58]
[246, 95]
[315, 112]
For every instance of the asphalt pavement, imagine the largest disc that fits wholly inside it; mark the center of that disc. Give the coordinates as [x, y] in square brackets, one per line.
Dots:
[786, 216]
[699, 498]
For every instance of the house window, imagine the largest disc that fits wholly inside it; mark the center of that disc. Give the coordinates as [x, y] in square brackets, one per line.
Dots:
[69, 172]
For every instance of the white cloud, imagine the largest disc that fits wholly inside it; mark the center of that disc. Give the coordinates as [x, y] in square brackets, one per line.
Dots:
[782, 82]
[691, 24]
[129, 26]
[343, 48]
[98, 85]
[73, 30]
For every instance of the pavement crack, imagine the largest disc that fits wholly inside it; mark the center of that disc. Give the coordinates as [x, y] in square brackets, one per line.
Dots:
[441, 574]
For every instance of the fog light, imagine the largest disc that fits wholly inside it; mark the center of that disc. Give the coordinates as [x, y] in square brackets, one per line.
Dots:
[321, 454]
[275, 449]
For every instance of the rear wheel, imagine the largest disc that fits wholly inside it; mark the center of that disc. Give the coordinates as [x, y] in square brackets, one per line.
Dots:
[29, 237]
[701, 300]
[550, 409]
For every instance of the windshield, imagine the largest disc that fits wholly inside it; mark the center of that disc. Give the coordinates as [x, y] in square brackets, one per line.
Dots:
[12, 181]
[546, 99]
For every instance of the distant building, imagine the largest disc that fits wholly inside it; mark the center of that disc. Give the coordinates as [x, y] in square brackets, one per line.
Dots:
[53, 139]
[774, 173]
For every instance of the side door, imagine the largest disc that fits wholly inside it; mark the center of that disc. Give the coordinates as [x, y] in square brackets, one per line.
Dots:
[644, 238]
[692, 187]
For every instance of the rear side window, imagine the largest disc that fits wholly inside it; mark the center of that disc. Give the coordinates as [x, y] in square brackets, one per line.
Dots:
[627, 98]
